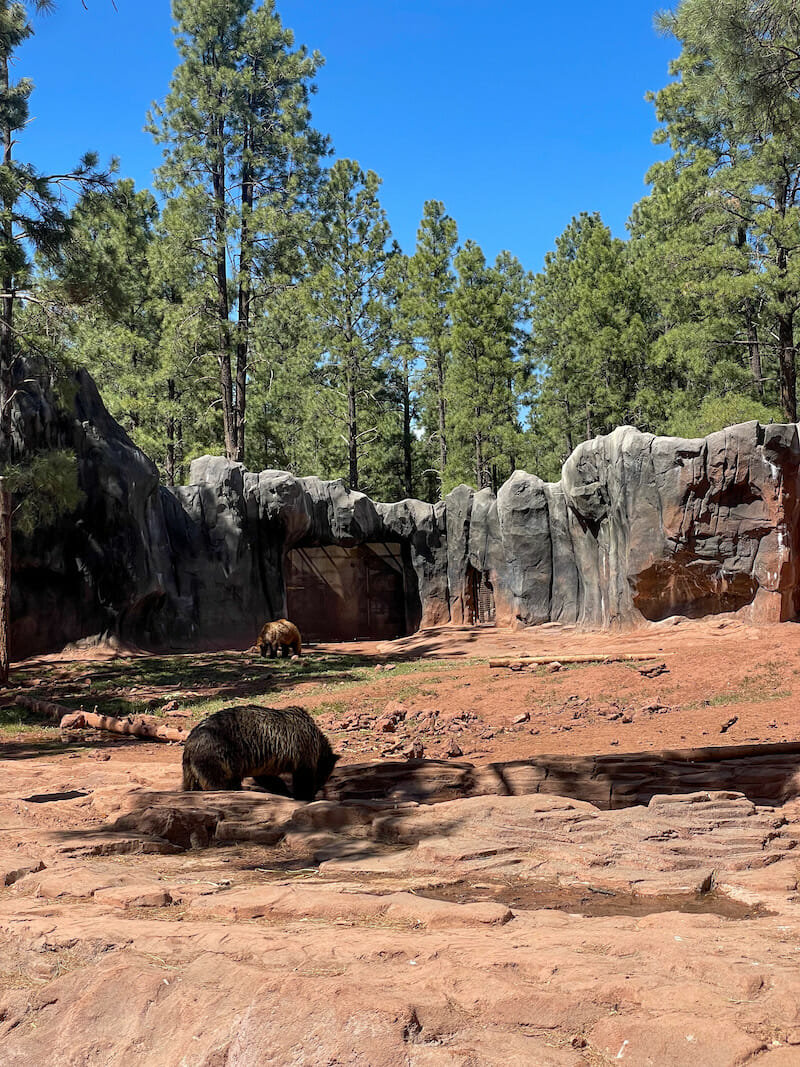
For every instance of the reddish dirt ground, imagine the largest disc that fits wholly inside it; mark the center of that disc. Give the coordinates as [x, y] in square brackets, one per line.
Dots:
[140, 924]
[716, 670]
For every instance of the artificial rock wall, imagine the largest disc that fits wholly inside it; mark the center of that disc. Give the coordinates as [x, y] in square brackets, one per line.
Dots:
[638, 528]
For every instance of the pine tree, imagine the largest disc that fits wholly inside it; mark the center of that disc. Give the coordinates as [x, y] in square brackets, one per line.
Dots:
[33, 216]
[347, 297]
[487, 307]
[427, 306]
[104, 279]
[286, 433]
[588, 344]
[404, 362]
[732, 119]
[242, 157]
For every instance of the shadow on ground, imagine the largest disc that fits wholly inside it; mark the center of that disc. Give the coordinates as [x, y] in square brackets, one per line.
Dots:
[766, 774]
[131, 681]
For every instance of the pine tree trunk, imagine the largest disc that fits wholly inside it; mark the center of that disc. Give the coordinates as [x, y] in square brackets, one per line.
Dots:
[408, 485]
[352, 407]
[169, 462]
[6, 392]
[788, 370]
[786, 352]
[226, 393]
[442, 413]
[241, 389]
[179, 451]
[5, 581]
[352, 432]
[244, 300]
[568, 428]
[480, 474]
[754, 350]
[223, 310]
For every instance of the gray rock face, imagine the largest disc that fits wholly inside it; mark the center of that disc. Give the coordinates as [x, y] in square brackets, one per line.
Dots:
[638, 528]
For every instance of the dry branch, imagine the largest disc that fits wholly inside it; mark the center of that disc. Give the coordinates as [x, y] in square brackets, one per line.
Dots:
[537, 661]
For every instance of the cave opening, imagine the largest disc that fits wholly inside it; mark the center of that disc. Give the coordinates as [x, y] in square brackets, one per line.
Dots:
[366, 592]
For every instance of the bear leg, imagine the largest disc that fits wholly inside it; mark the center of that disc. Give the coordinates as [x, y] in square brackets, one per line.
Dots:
[272, 783]
[304, 784]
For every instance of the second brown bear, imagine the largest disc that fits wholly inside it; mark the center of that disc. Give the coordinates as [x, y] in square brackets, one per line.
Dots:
[280, 634]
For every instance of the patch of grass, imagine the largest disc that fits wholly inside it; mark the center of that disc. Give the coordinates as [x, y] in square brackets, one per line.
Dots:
[206, 682]
[330, 707]
[406, 692]
[15, 721]
[542, 697]
[740, 696]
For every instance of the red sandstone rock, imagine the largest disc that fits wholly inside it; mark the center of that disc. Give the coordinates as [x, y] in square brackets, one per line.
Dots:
[16, 864]
[349, 963]
[133, 896]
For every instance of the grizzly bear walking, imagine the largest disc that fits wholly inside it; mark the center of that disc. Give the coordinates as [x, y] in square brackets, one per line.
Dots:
[279, 634]
[262, 742]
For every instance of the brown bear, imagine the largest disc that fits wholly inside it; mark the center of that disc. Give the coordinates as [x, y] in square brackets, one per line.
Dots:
[262, 742]
[280, 634]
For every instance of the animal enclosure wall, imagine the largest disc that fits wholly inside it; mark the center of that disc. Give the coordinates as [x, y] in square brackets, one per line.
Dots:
[344, 594]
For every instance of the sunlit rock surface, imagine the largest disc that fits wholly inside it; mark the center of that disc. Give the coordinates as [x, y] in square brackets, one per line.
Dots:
[639, 528]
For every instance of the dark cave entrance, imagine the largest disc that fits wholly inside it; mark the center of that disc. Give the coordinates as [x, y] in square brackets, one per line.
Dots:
[366, 593]
[480, 598]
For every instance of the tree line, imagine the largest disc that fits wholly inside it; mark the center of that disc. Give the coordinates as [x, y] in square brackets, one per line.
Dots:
[256, 304]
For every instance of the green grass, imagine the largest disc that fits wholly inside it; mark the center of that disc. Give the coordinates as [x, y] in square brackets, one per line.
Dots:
[15, 721]
[744, 695]
[758, 687]
[203, 683]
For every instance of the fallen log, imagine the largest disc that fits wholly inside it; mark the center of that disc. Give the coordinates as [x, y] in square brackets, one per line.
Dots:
[77, 720]
[538, 661]
[68, 719]
[55, 712]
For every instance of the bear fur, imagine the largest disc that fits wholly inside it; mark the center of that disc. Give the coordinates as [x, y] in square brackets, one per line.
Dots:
[280, 634]
[263, 742]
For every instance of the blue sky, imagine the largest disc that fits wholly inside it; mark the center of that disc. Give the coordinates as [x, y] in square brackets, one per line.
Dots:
[517, 114]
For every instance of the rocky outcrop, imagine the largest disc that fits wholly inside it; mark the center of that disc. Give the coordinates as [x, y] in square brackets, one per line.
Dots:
[639, 528]
[503, 931]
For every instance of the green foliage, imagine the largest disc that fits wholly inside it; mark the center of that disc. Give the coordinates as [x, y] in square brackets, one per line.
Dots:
[717, 412]
[43, 487]
[486, 306]
[242, 162]
[33, 214]
[346, 298]
[588, 343]
[109, 319]
[427, 309]
[718, 234]
[268, 297]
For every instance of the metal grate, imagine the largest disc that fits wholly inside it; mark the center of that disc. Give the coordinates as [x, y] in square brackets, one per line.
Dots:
[335, 593]
[482, 609]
